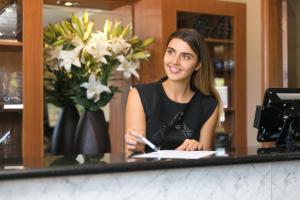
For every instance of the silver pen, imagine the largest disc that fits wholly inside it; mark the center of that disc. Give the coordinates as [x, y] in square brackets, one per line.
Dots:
[147, 142]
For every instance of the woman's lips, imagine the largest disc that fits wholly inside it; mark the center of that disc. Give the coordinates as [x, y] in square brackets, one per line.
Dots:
[174, 70]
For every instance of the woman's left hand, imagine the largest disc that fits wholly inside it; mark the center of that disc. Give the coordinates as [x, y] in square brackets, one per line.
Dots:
[190, 145]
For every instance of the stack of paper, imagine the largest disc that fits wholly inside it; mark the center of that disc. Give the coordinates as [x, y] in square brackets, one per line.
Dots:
[176, 154]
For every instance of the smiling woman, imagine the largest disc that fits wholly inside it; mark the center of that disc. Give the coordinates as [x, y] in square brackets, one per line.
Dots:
[181, 110]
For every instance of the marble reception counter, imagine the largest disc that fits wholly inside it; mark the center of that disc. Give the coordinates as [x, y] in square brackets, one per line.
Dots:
[239, 174]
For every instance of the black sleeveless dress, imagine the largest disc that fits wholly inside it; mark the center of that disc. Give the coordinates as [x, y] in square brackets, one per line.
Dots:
[160, 110]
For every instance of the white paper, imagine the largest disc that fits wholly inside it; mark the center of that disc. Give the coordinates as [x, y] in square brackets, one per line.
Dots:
[176, 154]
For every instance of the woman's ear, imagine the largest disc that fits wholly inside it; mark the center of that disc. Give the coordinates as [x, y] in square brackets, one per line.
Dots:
[198, 67]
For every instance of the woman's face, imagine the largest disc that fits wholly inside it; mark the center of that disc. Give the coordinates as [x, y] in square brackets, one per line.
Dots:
[180, 61]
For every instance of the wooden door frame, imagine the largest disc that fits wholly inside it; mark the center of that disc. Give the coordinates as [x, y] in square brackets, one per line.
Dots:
[272, 44]
[33, 112]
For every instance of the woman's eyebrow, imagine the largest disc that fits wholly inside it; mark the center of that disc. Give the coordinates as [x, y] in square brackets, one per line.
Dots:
[187, 54]
[171, 48]
[184, 53]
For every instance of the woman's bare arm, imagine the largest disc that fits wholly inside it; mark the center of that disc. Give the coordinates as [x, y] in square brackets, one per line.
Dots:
[208, 129]
[135, 122]
[206, 135]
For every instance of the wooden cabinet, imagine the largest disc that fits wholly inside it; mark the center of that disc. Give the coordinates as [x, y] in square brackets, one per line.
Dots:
[25, 56]
[158, 18]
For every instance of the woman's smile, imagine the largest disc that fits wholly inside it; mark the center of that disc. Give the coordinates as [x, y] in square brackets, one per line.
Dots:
[173, 69]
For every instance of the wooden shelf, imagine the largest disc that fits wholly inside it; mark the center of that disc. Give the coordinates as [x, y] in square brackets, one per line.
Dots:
[217, 40]
[8, 42]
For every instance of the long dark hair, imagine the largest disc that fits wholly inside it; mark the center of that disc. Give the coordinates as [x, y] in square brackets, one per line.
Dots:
[203, 79]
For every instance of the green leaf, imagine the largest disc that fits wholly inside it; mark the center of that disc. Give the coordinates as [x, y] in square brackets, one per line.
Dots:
[107, 28]
[59, 42]
[147, 42]
[76, 26]
[85, 18]
[88, 31]
[126, 31]
[65, 27]
[60, 29]
[134, 40]
[140, 55]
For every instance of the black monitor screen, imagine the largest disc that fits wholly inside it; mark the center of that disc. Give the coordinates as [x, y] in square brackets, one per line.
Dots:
[278, 119]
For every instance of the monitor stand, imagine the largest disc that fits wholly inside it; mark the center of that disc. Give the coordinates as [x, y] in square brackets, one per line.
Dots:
[286, 140]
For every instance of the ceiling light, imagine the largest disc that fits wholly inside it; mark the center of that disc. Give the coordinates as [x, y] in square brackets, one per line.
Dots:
[68, 3]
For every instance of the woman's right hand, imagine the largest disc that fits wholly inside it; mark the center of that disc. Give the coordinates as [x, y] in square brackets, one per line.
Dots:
[132, 141]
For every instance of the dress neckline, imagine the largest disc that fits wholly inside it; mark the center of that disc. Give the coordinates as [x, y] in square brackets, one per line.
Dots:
[161, 88]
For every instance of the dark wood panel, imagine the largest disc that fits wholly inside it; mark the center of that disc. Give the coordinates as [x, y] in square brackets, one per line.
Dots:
[272, 44]
[117, 114]
[11, 61]
[271, 47]
[33, 144]
[148, 22]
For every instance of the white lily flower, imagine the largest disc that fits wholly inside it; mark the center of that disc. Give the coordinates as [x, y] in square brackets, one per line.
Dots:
[119, 45]
[70, 57]
[51, 55]
[98, 46]
[76, 41]
[128, 67]
[94, 88]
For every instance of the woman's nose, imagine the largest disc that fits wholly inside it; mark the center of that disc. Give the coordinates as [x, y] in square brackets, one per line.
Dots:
[175, 60]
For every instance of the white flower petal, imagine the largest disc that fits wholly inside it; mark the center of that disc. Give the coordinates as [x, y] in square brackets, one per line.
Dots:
[94, 88]
[126, 74]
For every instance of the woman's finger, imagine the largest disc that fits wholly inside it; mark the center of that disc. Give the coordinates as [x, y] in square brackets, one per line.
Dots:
[200, 146]
[190, 145]
[136, 135]
[194, 146]
[131, 147]
[133, 141]
[183, 146]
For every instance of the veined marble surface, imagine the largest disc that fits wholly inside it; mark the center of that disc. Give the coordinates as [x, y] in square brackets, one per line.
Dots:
[286, 181]
[247, 181]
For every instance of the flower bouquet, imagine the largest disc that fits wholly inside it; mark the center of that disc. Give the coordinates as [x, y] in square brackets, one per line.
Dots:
[79, 64]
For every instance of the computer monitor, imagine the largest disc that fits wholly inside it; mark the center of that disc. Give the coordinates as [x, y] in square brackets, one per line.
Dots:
[278, 118]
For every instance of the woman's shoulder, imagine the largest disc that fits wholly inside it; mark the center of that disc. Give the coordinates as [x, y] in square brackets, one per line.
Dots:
[149, 95]
[205, 99]
[147, 87]
[204, 104]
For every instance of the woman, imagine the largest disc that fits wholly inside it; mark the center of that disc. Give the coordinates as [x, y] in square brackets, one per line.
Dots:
[183, 104]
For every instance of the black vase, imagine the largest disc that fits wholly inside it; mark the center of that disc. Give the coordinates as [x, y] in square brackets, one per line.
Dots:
[92, 134]
[64, 131]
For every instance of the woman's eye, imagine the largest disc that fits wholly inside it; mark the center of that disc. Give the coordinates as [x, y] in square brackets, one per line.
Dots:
[169, 51]
[186, 57]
